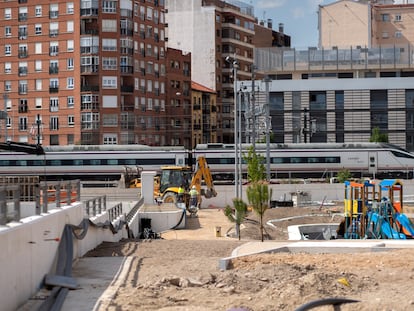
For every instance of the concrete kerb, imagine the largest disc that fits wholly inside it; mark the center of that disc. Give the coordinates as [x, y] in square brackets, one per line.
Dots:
[314, 247]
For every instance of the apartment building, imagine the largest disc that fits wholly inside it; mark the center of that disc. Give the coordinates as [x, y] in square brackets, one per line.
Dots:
[179, 109]
[41, 72]
[213, 30]
[89, 72]
[363, 23]
[204, 114]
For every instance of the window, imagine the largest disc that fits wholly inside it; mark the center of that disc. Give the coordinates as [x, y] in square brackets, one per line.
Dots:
[38, 10]
[70, 83]
[7, 31]
[69, 8]
[7, 86]
[54, 123]
[7, 13]
[54, 104]
[22, 105]
[70, 45]
[38, 48]
[398, 34]
[38, 84]
[54, 10]
[22, 87]
[385, 17]
[38, 29]
[109, 25]
[38, 103]
[22, 14]
[22, 32]
[53, 48]
[109, 82]
[71, 120]
[398, 18]
[70, 102]
[109, 63]
[53, 29]
[38, 65]
[69, 26]
[108, 44]
[70, 64]
[22, 50]
[110, 139]
[7, 67]
[109, 6]
[385, 35]
[22, 123]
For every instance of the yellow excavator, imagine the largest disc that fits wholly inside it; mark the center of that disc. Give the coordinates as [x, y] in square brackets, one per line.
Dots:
[174, 177]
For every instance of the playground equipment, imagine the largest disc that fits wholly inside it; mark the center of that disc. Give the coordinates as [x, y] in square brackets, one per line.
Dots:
[375, 212]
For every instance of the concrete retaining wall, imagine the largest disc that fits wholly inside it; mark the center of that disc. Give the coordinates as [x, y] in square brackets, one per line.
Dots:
[30, 247]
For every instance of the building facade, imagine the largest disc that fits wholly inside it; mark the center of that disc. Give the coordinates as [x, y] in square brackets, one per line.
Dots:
[213, 31]
[204, 114]
[92, 72]
[338, 95]
[347, 23]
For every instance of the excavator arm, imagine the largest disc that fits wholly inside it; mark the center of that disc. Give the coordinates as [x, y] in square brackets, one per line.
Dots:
[202, 171]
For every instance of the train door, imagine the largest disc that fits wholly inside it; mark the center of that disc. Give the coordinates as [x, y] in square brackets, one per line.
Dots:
[180, 159]
[373, 163]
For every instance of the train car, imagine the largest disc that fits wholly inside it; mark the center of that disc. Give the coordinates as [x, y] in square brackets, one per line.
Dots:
[315, 160]
[90, 162]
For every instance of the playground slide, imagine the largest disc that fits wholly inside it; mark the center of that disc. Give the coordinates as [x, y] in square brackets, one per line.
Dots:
[386, 228]
[406, 224]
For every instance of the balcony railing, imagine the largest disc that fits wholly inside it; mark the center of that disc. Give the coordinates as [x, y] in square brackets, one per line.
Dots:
[90, 88]
[53, 89]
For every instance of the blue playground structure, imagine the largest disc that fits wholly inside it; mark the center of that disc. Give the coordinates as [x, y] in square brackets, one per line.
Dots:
[375, 211]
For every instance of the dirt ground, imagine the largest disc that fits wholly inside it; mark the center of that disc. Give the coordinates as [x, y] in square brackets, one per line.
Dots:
[180, 271]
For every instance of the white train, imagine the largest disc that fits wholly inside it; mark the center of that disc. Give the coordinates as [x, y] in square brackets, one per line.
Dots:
[90, 162]
[109, 162]
[316, 160]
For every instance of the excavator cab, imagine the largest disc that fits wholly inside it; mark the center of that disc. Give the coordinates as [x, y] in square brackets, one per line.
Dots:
[172, 177]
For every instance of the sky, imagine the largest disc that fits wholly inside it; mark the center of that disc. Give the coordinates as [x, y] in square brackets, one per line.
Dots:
[300, 18]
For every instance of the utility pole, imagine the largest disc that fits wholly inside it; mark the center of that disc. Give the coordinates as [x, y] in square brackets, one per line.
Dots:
[267, 82]
[253, 102]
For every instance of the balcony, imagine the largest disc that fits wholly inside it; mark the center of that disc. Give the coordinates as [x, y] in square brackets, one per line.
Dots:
[53, 89]
[22, 89]
[53, 70]
[23, 54]
[127, 69]
[53, 14]
[90, 11]
[127, 88]
[90, 69]
[90, 32]
[53, 33]
[90, 88]
[22, 71]
[22, 17]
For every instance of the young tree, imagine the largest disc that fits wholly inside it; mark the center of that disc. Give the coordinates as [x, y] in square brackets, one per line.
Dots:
[236, 214]
[259, 195]
[377, 136]
[255, 166]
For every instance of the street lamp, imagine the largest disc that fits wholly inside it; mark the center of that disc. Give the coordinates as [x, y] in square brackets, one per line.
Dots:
[235, 65]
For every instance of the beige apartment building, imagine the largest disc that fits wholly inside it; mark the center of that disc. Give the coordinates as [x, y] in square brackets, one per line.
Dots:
[363, 23]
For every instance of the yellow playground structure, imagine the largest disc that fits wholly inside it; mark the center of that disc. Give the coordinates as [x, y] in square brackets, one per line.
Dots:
[375, 211]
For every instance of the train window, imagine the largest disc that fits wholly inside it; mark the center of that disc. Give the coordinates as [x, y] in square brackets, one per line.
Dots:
[37, 163]
[21, 163]
[77, 162]
[6, 163]
[94, 162]
[402, 155]
[332, 160]
[112, 162]
[298, 160]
